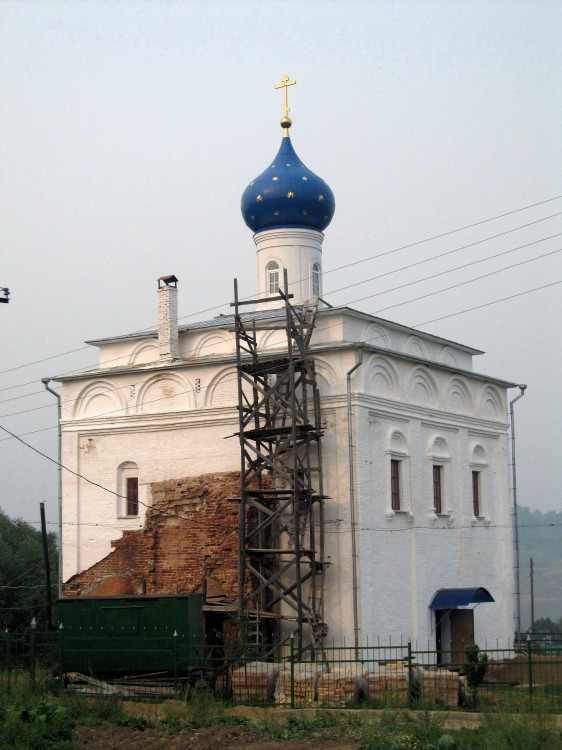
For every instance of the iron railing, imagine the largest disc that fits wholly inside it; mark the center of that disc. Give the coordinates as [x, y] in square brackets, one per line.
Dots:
[515, 679]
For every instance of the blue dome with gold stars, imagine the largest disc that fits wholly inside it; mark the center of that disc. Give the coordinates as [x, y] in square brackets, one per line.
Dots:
[287, 194]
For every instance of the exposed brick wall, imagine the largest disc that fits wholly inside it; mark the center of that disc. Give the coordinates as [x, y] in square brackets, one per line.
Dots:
[190, 534]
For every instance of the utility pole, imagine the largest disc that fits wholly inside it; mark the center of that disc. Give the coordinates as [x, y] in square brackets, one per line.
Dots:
[47, 565]
[532, 575]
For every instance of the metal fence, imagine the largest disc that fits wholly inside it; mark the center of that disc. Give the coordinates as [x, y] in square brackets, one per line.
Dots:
[376, 676]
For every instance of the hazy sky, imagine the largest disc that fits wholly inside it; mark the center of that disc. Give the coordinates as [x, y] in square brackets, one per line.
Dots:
[129, 131]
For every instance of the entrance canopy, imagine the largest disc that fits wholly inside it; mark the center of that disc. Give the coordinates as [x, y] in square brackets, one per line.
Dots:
[451, 598]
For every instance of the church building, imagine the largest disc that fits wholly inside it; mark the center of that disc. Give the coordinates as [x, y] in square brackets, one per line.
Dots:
[416, 509]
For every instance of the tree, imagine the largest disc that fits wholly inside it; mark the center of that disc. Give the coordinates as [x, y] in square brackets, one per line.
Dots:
[22, 574]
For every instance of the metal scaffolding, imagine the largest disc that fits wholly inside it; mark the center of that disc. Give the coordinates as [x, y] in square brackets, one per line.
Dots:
[281, 546]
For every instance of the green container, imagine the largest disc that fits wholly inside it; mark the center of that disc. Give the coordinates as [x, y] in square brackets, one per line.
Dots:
[131, 634]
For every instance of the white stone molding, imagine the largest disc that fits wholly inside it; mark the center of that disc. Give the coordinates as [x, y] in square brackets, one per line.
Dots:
[438, 454]
[458, 398]
[271, 341]
[449, 357]
[377, 336]
[217, 342]
[491, 404]
[415, 347]
[479, 463]
[294, 249]
[328, 381]
[422, 388]
[102, 398]
[397, 449]
[144, 353]
[222, 389]
[380, 378]
[165, 392]
[125, 470]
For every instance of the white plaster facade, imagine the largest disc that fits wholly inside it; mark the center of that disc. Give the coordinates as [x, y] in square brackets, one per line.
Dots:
[415, 399]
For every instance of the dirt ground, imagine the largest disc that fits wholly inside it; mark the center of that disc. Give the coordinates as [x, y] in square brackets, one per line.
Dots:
[209, 738]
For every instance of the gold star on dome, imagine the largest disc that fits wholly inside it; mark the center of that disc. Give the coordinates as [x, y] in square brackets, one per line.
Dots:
[320, 197]
[290, 194]
[252, 218]
[325, 217]
[241, 205]
[273, 166]
[259, 198]
[275, 178]
[276, 213]
[305, 178]
[305, 213]
[251, 183]
[287, 165]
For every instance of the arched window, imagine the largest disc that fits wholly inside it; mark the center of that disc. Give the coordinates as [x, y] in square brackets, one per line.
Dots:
[272, 272]
[127, 489]
[315, 279]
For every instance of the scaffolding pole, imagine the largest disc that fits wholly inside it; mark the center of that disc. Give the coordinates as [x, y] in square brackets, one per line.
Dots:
[280, 528]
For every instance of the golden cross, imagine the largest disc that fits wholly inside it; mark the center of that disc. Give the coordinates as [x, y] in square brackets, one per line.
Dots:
[283, 85]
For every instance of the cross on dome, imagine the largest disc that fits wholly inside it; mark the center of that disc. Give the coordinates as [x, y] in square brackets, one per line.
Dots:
[285, 120]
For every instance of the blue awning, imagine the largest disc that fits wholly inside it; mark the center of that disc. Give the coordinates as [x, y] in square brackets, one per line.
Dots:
[451, 598]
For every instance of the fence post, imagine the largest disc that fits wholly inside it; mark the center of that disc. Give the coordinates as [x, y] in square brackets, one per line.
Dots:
[59, 655]
[292, 641]
[175, 636]
[530, 670]
[8, 656]
[410, 696]
[32, 654]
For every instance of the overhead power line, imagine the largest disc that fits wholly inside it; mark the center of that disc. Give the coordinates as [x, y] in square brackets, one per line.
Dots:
[376, 294]
[339, 268]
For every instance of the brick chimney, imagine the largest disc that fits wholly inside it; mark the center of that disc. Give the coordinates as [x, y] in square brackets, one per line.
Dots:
[168, 317]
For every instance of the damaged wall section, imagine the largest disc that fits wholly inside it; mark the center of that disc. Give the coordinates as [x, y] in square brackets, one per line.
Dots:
[190, 535]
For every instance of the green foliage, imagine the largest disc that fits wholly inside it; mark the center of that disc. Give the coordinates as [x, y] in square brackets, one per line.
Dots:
[476, 665]
[26, 722]
[476, 668]
[22, 574]
[516, 733]
[399, 731]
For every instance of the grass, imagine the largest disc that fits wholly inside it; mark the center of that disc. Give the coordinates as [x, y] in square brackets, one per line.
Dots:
[45, 721]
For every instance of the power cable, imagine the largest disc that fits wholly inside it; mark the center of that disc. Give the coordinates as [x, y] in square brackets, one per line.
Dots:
[347, 265]
[372, 338]
[376, 294]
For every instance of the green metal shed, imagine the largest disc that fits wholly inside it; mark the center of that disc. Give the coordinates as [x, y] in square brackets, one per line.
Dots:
[131, 634]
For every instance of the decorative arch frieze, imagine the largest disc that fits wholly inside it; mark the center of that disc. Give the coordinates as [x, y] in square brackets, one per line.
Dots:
[491, 406]
[165, 392]
[377, 336]
[422, 388]
[415, 347]
[99, 399]
[381, 378]
[222, 389]
[327, 378]
[217, 342]
[144, 353]
[273, 340]
[448, 356]
[457, 397]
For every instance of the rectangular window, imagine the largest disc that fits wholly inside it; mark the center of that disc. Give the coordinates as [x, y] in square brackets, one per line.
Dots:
[437, 491]
[395, 484]
[476, 493]
[132, 496]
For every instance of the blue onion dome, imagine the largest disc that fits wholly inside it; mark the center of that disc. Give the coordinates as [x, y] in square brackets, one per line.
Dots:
[287, 194]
